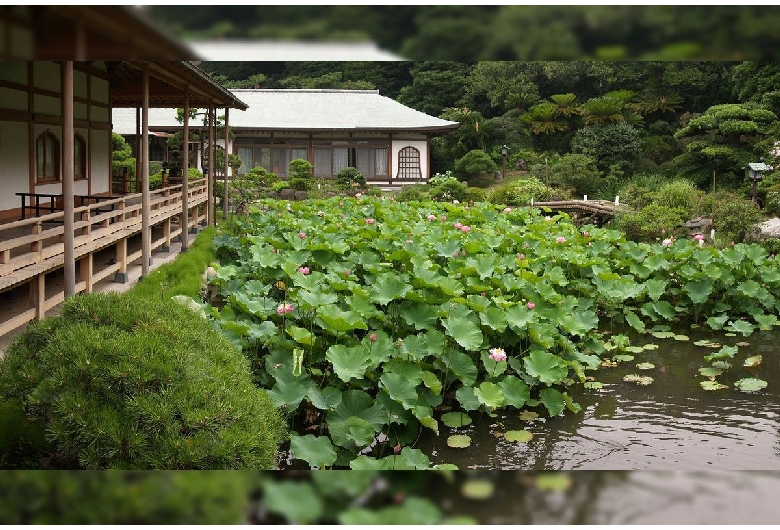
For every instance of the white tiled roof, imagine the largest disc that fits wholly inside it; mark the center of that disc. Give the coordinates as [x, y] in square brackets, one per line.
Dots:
[310, 110]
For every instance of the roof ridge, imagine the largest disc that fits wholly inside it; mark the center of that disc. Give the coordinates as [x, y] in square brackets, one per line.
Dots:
[299, 90]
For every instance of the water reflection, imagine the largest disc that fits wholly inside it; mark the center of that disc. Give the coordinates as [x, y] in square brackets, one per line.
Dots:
[672, 424]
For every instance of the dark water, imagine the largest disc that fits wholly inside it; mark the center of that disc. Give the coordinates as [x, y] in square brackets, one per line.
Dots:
[621, 497]
[672, 424]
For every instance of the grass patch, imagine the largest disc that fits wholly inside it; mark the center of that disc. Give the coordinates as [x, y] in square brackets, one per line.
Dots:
[184, 275]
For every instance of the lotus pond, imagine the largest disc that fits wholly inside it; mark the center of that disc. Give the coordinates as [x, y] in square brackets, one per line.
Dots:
[394, 335]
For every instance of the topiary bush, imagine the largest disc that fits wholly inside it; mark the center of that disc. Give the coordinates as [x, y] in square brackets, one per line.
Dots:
[476, 195]
[299, 169]
[451, 190]
[679, 193]
[128, 382]
[349, 178]
[474, 164]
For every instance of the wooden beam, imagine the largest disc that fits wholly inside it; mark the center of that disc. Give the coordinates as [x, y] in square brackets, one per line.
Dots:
[185, 169]
[227, 167]
[212, 167]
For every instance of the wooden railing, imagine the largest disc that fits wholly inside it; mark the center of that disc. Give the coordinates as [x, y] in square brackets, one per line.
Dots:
[36, 245]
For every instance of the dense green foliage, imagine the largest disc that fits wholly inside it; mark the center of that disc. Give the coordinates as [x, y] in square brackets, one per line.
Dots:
[523, 32]
[129, 382]
[473, 165]
[366, 319]
[349, 178]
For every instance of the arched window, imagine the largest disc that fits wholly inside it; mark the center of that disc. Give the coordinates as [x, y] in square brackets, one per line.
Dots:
[79, 157]
[409, 164]
[47, 156]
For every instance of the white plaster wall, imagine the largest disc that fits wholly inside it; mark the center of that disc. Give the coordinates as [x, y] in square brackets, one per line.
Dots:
[14, 163]
[101, 171]
[421, 146]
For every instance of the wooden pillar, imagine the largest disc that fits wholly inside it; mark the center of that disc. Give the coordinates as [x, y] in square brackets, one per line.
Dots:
[227, 167]
[38, 295]
[146, 235]
[212, 166]
[137, 144]
[390, 158]
[428, 156]
[85, 271]
[185, 170]
[67, 177]
[121, 254]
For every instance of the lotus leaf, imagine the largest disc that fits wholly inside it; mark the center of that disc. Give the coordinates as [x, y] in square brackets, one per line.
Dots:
[755, 360]
[750, 384]
[456, 419]
[518, 436]
[459, 441]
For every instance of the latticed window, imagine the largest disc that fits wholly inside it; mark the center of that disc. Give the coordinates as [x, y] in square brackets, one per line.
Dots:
[47, 156]
[409, 163]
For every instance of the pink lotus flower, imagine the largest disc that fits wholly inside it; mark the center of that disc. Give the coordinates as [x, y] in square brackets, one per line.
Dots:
[507, 209]
[358, 195]
[699, 237]
[372, 337]
[465, 228]
[302, 235]
[283, 309]
[497, 354]
[560, 239]
[346, 273]
[455, 254]
[530, 305]
[586, 233]
[457, 226]
[409, 241]
[443, 218]
[521, 256]
[431, 217]
[304, 270]
[456, 201]
[667, 242]
[370, 221]
[463, 253]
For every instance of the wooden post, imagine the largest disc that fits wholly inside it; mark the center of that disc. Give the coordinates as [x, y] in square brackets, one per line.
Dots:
[390, 158]
[137, 144]
[85, 270]
[38, 295]
[146, 235]
[212, 166]
[121, 252]
[227, 167]
[67, 177]
[185, 170]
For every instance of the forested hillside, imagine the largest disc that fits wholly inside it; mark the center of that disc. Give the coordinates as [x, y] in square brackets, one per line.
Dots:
[676, 119]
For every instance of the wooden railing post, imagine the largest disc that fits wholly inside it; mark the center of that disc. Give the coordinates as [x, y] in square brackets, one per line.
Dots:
[85, 272]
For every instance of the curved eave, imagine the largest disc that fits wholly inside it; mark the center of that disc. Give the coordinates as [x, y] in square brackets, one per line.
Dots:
[441, 129]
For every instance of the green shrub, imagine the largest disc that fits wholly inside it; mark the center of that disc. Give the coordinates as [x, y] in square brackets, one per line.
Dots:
[124, 497]
[22, 442]
[772, 204]
[129, 382]
[413, 192]
[302, 184]
[652, 222]
[281, 185]
[520, 192]
[451, 190]
[155, 167]
[732, 217]
[349, 178]
[441, 178]
[374, 191]
[474, 164]
[476, 195]
[680, 194]
[299, 169]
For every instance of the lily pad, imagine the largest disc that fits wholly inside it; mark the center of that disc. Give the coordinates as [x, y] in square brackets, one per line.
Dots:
[682, 338]
[723, 365]
[709, 371]
[730, 334]
[641, 380]
[750, 384]
[650, 347]
[741, 344]
[459, 441]
[455, 419]
[593, 385]
[622, 358]
[477, 489]
[518, 436]
[712, 385]
[645, 366]
[708, 343]
[635, 349]
[755, 360]
[528, 415]
[662, 334]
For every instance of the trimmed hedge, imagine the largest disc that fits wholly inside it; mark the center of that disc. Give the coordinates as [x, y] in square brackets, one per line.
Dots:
[129, 382]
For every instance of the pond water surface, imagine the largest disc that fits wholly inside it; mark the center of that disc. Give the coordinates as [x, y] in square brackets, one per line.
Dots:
[672, 424]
